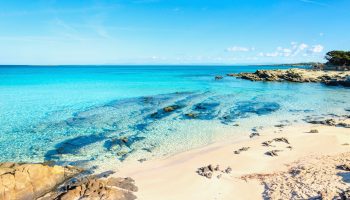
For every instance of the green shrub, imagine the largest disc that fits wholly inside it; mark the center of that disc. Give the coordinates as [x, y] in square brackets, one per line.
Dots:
[338, 58]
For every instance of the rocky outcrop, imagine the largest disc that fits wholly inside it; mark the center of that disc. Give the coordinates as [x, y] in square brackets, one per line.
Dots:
[334, 78]
[210, 170]
[93, 187]
[44, 182]
[332, 122]
[31, 181]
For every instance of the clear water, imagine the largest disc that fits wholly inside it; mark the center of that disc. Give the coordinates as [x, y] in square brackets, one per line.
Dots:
[80, 114]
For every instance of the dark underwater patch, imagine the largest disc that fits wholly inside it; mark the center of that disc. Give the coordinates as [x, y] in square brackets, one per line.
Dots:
[166, 111]
[203, 111]
[122, 141]
[72, 146]
[245, 109]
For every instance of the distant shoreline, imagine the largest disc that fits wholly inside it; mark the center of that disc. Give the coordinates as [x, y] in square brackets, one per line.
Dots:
[158, 65]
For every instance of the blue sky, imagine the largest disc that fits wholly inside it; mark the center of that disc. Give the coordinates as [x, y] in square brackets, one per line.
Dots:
[171, 31]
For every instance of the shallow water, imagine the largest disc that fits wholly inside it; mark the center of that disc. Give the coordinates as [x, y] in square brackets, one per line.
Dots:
[87, 114]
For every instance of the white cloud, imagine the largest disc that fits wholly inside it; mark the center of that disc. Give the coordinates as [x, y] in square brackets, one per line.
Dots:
[303, 46]
[316, 49]
[294, 50]
[274, 54]
[240, 49]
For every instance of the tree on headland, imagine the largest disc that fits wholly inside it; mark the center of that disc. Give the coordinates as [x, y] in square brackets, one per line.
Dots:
[338, 58]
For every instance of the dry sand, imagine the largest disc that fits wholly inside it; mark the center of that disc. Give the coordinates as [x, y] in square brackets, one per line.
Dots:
[175, 177]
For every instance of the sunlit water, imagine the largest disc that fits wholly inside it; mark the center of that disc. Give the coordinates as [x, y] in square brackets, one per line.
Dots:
[83, 115]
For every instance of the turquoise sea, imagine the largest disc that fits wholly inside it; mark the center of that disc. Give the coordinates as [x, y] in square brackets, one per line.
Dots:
[88, 114]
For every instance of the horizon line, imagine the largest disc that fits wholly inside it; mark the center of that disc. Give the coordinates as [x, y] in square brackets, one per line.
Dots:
[156, 64]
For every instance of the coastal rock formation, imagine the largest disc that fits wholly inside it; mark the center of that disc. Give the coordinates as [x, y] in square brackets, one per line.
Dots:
[323, 177]
[345, 123]
[44, 182]
[334, 78]
[96, 188]
[31, 181]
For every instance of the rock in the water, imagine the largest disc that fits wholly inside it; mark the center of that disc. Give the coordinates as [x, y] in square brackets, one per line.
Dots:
[31, 181]
[218, 77]
[192, 115]
[171, 108]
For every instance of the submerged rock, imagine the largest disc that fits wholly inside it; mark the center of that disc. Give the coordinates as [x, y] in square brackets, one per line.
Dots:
[171, 108]
[244, 109]
[218, 77]
[191, 115]
[72, 146]
[165, 111]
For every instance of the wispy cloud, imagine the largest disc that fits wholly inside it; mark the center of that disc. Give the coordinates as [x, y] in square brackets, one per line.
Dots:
[295, 49]
[53, 10]
[314, 2]
[240, 49]
[316, 49]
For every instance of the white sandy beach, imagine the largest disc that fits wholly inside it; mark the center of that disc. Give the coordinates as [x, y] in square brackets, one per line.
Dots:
[175, 177]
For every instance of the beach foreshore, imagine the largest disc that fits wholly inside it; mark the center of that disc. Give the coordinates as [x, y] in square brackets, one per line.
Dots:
[255, 175]
[298, 161]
